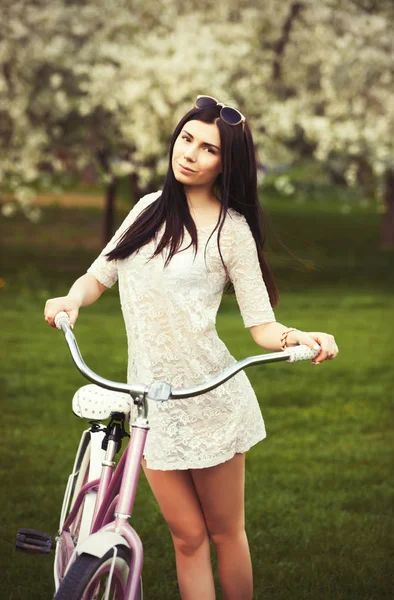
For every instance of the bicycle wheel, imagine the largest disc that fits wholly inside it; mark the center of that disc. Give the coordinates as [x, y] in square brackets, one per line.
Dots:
[89, 577]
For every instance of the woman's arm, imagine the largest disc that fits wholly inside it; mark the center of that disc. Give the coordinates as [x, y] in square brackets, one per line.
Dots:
[86, 290]
[269, 335]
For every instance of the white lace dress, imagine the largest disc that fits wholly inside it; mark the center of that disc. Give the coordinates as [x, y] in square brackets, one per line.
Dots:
[170, 316]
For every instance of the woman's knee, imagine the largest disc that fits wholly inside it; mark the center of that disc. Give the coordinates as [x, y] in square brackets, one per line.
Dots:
[188, 540]
[178, 500]
[227, 536]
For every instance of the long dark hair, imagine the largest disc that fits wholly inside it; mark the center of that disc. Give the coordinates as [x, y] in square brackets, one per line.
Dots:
[236, 187]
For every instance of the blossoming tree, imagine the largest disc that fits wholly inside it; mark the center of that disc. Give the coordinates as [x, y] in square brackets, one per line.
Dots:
[106, 82]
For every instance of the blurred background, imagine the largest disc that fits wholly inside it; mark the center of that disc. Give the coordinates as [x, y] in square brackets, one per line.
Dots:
[90, 93]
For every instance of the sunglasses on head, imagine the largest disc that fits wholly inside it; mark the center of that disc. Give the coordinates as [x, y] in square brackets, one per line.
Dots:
[228, 114]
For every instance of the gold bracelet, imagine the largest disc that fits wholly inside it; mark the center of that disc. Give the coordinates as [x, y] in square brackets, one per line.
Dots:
[283, 337]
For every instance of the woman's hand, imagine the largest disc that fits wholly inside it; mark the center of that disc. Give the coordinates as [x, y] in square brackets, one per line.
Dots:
[84, 291]
[327, 343]
[56, 305]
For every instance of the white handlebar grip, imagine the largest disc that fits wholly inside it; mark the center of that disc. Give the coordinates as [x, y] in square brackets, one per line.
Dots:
[302, 353]
[62, 318]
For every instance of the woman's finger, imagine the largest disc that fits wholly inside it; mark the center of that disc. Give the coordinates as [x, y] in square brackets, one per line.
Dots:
[333, 353]
[329, 349]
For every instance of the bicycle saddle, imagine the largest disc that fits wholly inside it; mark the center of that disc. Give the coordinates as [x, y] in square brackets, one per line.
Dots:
[96, 403]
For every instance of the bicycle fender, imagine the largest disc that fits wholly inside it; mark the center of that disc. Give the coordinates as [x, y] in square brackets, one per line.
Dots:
[99, 543]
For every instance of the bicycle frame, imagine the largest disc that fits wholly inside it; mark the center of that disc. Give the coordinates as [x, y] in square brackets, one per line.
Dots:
[112, 487]
[125, 506]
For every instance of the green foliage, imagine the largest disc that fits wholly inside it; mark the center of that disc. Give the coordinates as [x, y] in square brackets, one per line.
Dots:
[319, 491]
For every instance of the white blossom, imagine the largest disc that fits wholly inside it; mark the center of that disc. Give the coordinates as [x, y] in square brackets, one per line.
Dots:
[118, 76]
[8, 209]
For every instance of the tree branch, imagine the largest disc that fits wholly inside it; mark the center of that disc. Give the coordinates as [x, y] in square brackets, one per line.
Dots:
[281, 44]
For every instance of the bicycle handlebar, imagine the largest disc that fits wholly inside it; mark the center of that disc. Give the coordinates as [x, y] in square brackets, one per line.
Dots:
[162, 391]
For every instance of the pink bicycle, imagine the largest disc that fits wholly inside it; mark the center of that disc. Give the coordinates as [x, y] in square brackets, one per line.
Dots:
[97, 552]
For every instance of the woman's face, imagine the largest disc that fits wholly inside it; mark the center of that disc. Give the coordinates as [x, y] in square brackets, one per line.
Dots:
[196, 157]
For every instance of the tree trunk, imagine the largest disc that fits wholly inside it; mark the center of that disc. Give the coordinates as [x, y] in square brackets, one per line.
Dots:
[136, 191]
[103, 158]
[109, 210]
[387, 241]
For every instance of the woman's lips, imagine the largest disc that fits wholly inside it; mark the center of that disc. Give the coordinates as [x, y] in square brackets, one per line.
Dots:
[185, 169]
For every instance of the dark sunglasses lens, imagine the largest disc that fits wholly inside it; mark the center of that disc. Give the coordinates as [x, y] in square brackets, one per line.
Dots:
[231, 115]
[205, 102]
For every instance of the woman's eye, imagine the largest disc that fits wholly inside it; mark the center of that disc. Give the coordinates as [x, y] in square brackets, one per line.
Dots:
[184, 137]
[210, 150]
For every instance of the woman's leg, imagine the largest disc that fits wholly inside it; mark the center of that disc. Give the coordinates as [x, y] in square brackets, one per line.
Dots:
[221, 493]
[179, 504]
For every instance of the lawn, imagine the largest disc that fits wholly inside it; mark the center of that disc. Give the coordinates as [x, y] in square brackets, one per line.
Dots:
[319, 489]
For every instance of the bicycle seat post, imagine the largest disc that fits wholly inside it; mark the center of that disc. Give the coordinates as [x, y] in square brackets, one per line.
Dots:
[135, 449]
[112, 443]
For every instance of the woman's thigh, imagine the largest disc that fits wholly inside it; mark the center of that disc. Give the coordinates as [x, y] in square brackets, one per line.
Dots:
[221, 491]
[178, 501]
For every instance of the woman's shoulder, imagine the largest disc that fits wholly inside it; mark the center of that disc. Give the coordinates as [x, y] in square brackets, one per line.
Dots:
[138, 207]
[235, 221]
[148, 199]
[236, 230]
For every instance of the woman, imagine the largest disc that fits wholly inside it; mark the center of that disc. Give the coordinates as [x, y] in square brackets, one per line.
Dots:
[173, 256]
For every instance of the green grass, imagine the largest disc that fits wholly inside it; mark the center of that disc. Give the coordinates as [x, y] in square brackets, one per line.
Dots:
[319, 490]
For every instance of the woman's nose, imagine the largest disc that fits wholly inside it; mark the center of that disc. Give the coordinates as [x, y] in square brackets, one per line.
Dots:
[190, 154]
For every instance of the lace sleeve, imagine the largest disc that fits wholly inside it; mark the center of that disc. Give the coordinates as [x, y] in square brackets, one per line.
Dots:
[245, 274]
[105, 271]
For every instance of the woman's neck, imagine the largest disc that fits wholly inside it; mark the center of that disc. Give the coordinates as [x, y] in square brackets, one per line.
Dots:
[201, 199]
[204, 207]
